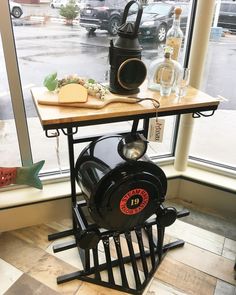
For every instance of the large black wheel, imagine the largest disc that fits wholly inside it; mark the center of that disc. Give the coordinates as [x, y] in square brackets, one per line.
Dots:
[161, 33]
[17, 12]
[113, 25]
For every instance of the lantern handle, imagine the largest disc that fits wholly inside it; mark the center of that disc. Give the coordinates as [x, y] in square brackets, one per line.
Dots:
[139, 15]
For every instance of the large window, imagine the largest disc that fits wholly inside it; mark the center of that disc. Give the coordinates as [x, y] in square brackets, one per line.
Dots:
[218, 80]
[46, 42]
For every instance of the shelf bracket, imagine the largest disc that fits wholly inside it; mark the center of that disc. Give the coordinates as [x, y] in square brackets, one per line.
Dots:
[200, 114]
[52, 133]
[70, 133]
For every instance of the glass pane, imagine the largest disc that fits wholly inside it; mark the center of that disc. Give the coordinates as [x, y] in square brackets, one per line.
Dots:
[46, 42]
[9, 149]
[218, 80]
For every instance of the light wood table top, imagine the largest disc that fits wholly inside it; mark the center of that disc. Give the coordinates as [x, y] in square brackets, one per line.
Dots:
[61, 117]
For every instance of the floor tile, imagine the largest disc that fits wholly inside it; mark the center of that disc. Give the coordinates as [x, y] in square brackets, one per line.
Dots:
[70, 256]
[229, 250]
[19, 253]
[92, 289]
[61, 225]
[9, 275]
[185, 278]
[196, 236]
[197, 268]
[205, 261]
[27, 285]
[48, 268]
[159, 288]
[37, 235]
[223, 288]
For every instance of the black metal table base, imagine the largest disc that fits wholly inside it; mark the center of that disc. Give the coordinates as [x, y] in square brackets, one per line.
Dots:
[138, 251]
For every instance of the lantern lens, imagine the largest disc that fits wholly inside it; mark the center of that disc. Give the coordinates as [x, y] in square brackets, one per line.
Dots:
[132, 146]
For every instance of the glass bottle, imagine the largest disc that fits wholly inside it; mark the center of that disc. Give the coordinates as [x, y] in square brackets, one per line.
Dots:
[174, 36]
[154, 72]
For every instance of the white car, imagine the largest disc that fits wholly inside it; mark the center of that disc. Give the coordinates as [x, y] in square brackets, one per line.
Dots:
[15, 9]
[58, 3]
[62, 3]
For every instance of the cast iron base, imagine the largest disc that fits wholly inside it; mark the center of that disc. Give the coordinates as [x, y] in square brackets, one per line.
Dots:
[138, 251]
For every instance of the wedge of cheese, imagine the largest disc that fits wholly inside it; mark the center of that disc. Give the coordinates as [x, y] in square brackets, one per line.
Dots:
[72, 93]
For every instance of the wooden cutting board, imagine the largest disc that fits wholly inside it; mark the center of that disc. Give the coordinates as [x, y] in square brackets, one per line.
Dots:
[51, 98]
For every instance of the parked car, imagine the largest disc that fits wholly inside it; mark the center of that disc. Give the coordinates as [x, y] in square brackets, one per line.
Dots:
[15, 9]
[157, 18]
[58, 3]
[227, 16]
[102, 14]
[62, 3]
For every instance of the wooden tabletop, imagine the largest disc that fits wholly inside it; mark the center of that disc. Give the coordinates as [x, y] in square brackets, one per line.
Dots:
[62, 116]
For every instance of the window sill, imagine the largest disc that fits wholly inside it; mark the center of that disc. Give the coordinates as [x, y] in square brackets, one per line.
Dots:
[204, 174]
[216, 177]
[28, 195]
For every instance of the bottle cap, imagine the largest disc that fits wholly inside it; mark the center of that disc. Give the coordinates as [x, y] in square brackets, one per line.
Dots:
[178, 11]
[168, 51]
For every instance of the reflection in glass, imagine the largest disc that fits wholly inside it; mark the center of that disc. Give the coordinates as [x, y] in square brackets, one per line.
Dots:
[214, 138]
[9, 149]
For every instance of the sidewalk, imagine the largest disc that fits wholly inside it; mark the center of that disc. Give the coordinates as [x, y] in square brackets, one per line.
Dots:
[36, 14]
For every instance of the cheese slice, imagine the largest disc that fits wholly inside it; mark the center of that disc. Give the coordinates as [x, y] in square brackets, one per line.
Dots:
[72, 93]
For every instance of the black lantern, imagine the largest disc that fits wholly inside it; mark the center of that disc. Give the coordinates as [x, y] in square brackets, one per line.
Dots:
[127, 71]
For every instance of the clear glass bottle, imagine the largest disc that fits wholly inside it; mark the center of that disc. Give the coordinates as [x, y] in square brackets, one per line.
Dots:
[156, 66]
[174, 36]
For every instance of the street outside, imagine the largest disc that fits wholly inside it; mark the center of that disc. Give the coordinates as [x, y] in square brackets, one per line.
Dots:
[45, 45]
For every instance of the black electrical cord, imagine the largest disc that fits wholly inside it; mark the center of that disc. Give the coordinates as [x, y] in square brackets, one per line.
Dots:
[155, 102]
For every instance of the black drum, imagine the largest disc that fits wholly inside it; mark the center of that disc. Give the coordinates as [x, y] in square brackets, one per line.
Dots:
[120, 193]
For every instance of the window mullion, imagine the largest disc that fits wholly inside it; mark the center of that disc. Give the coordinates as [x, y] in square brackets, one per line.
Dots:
[9, 50]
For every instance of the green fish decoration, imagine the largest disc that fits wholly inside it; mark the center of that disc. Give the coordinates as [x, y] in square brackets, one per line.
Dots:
[22, 175]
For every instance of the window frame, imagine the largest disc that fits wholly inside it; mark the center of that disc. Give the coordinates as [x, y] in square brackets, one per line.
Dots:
[9, 49]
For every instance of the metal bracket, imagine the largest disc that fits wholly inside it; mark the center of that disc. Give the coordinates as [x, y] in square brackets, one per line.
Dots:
[70, 133]
[200, 114]
[51, 134]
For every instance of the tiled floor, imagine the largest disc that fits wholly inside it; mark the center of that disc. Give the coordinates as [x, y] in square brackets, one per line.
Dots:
[203, 266]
